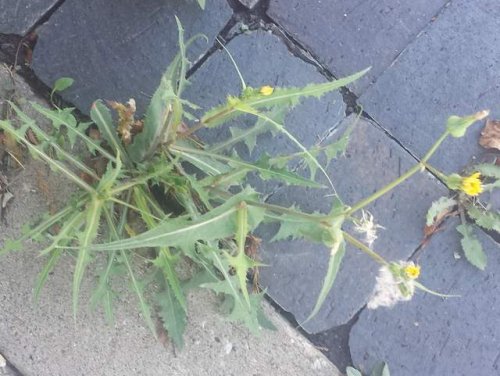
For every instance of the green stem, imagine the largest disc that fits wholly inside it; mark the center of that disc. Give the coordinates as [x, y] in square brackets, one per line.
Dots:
[361, 204]
[362, 247]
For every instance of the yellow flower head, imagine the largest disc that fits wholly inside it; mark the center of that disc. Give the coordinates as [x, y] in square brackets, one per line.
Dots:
[471, 185]
[266, 90]
[412, 271]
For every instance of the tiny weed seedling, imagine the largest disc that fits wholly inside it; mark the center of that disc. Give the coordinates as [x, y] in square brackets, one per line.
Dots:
[115, 217]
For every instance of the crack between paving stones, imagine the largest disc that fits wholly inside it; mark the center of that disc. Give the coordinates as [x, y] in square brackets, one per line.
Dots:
[337, 350]
[417, 35]
[45, 17]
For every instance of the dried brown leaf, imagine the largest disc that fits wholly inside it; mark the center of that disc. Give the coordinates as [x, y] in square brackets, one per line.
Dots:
[126, 121]
[490, 135]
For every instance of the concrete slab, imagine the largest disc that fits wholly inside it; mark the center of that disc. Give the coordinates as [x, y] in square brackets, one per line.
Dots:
[21, 16]
[348, 36]
[44, 340]
[298, 268]
[434, 336]
[448, 70]
[118, 50]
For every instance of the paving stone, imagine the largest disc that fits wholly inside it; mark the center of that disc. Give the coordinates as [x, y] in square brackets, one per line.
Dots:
[118, 50]
[264, 60]
[434, 336]
[448, 70]
[349, 36]
[17, 17]
[298, 267]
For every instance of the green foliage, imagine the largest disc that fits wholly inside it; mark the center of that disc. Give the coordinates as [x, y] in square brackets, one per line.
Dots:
[207, 216]
[442, 205]
[208, 212]
[472, 247]
[381, 369]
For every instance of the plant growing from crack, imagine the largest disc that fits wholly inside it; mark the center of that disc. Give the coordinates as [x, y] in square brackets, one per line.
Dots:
[211, 211]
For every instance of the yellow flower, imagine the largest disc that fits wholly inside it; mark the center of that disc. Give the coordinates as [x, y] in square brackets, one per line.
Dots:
[266, 90]
[412, 271]
[472, 184]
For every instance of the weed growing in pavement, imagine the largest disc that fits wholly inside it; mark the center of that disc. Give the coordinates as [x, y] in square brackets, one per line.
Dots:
[213, 211]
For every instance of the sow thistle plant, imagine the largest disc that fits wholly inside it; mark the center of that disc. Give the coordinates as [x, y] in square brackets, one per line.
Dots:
[165, 198]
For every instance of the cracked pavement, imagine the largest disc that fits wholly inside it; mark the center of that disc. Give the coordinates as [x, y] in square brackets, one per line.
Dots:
[430, 59]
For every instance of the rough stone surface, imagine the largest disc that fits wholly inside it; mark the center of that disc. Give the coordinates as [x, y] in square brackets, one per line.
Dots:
[118, 50]
[264, 60]
[297, 268]
[44, 340]
[434, 336]
[349, 35]
[448, 70]
[17, 17]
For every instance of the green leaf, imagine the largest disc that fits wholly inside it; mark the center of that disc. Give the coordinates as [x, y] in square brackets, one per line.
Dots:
[43, 275]
[457, 126]
[249, 135]
[172, 314]
[443, 204]
[487, 169]
[62, 84]
[486, 219]
[165, 263]
[472, 247]
[201, 3]
[290, 97]
[352, 372]
[262, 167]
[381, 369]
[138, 289]
[101, 115]
[336, 255]
[294, 227]
[215, 224]
[164, 112]
[92, 219]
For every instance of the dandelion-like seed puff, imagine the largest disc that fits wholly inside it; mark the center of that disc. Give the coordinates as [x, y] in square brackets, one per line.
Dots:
[395, 283]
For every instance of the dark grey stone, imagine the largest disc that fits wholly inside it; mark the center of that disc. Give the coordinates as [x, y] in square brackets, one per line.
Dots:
[449, 70]
[298, 267]
[119, 49]
[435, 336]
[17, 17]
[264, 60]
[349, 35]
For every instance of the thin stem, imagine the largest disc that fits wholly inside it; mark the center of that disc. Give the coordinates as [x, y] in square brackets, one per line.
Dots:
[362, 247]
[402, 178]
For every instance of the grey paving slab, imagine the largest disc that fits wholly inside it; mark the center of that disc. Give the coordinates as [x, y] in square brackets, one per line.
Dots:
[118, 50]
[45, 340]
[434, 336]
[264, 60]
[298, 268]
[348, 36]
[17, 17]
[449, 69]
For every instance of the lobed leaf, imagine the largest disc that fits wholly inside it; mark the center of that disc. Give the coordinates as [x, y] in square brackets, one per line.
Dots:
[472, 247]
[287, 97]
[438, 207]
